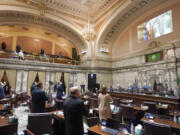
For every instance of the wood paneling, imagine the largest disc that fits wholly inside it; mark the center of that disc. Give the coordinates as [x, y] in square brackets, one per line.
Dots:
[60, 49]
[8, 41]
[29, 44]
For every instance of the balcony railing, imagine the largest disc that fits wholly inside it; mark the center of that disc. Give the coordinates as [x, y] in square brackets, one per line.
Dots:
[39, 57]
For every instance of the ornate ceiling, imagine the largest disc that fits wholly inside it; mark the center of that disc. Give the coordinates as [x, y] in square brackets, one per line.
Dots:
[77, 9]
[68, 17]
[121, 19]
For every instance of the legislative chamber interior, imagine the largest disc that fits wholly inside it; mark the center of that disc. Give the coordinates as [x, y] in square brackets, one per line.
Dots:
[89, 67]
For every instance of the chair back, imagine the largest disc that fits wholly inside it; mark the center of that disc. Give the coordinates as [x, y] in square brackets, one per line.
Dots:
[116, 102]
[59, 104]
[39, 123]
[94, 102]
[127, 111]
[92, 121]
[156, 129]
[151, 107]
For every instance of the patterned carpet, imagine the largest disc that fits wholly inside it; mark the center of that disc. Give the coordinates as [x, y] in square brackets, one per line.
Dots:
[22, 113]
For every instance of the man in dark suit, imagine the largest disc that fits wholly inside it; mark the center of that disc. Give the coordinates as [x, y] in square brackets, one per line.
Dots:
[1, 91]
[74, 110]
[59, 91]
[39, 99]
[33, 87]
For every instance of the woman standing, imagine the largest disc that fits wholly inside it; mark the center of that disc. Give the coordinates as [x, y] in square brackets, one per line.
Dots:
[104, 100]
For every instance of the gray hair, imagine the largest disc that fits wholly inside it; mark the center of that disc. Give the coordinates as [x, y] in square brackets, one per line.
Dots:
[74, 90]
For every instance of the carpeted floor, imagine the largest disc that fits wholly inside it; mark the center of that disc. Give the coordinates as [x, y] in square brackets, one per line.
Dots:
[22, 113]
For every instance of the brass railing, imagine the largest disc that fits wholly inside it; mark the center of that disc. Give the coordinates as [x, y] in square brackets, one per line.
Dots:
[38, 57]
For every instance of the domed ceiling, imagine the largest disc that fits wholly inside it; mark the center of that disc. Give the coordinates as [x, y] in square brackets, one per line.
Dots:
[69, 17]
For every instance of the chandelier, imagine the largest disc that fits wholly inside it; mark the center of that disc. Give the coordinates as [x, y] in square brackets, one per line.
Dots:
[88, 32]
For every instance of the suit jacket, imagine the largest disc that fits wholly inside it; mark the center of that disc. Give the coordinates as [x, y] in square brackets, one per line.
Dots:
[38, 101]
[1, 92]
[59, 92]
[74, 110]
[33, 88]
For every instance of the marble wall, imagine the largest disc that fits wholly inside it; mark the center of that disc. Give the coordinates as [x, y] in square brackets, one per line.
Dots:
[123, 71]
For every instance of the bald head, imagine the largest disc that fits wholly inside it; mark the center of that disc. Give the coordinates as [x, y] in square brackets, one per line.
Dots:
[74, 91]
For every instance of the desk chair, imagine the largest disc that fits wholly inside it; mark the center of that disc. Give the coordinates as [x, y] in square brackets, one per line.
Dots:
[59, 104]
[156, 129]
[130, 114]
[39, 123]
[151, 107]
[94, 105]
[116, 102]
[91, 121]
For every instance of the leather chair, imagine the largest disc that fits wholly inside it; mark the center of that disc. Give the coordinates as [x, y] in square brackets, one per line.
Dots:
[116, 102]
[127, 112]
[39, 123]
[92, 121]
[94, 102]
[151, 107]
[130, 114]
[156, 129]
[94, 105]
[59, 104]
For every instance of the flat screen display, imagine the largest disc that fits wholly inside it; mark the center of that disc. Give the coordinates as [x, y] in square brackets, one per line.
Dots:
[156, 27]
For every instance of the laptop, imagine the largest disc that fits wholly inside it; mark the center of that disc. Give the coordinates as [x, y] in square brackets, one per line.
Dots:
[111, 127]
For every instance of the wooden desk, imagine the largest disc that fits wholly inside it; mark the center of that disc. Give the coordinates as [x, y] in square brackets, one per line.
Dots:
[5, 100]
[7, 128]
[98, 130]
[140, 108]
[140, 98]
[30, 132]
[161, 121]
[3, 121]
[1, 107]
[126, 101]
[161, 107]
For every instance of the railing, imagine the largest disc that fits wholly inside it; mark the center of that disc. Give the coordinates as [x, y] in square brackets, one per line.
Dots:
[38, 57]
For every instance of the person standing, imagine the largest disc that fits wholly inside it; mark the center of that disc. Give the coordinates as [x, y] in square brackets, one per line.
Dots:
[104, 100]
[33, 87]
[39, 99]
[60, 91]
[1, 91]
[74, 110]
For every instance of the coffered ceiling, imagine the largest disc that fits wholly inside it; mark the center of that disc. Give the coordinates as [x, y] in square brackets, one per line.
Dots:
[69, 17]
[76, 9]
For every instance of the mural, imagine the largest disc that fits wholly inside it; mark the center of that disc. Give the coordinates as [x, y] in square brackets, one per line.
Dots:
[156, 27]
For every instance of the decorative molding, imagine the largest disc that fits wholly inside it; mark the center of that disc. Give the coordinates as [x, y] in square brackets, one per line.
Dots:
[9, 17]
[77, 9]
[124, 18]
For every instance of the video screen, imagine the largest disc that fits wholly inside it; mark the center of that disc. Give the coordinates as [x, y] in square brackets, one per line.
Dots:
[156, 27]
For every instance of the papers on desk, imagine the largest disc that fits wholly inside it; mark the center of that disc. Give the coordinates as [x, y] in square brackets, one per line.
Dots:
[165, 105]
[112, 107]
[59, 113]
[145, 107]
[86, 102]
[90, 110]
[103, 127]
